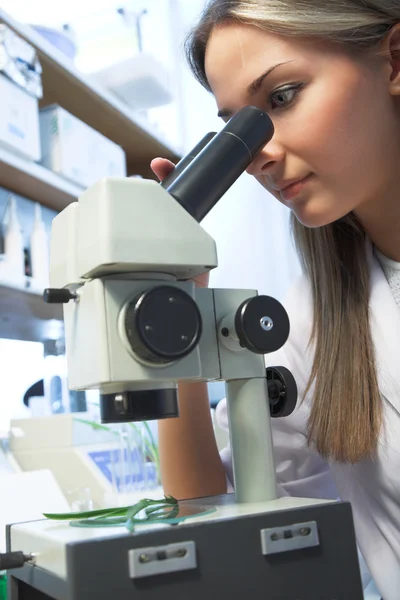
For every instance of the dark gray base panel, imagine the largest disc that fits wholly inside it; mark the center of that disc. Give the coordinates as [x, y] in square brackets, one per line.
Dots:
[230, 564]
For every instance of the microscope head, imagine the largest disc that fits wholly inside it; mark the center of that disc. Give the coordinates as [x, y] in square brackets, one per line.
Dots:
[124, 254]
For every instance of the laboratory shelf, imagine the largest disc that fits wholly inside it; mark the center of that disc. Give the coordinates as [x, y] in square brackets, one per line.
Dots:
[63, 84]
[24, 315]
[26, 178]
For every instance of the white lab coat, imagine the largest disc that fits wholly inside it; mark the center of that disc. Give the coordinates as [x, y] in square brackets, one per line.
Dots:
[372, 487]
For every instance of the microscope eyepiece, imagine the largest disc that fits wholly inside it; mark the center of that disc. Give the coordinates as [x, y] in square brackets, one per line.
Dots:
[219, 164]
[186, 160]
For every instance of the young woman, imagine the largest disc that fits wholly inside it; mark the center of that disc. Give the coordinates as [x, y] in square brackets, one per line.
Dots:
[328, 74]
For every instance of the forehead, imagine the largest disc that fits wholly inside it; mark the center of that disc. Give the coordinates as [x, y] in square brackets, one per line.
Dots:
[236, 54]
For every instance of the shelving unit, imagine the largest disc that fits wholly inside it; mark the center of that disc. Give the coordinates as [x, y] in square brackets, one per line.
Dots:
[65, 85]
[25, 316]
[33, 181]
[23, 313]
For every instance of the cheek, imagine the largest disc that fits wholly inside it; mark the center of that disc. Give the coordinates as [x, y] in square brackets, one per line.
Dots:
[341, 137]
[345, 136]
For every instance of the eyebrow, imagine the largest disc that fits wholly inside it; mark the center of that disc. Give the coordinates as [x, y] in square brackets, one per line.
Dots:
[254, 87]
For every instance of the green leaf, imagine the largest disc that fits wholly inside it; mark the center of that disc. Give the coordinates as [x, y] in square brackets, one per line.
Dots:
[127, 512]
[85, 515]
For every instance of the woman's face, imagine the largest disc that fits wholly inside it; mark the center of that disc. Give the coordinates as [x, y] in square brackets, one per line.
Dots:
[336, 123]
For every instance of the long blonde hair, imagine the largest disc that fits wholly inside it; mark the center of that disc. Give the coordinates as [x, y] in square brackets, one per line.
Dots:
[346, 413]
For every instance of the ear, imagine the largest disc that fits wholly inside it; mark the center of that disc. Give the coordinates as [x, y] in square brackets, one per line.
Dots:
[391, 50]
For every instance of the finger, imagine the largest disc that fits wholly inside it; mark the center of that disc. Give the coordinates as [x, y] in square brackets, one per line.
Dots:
[202, 280]
[161, 167]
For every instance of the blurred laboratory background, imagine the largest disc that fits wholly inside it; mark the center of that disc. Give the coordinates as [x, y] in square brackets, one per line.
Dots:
[91, 89]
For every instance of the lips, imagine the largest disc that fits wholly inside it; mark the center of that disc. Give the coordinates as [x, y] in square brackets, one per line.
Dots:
[292, 189]
[279, 186]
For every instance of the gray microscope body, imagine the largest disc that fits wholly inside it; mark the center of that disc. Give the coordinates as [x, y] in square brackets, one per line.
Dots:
[121, 262]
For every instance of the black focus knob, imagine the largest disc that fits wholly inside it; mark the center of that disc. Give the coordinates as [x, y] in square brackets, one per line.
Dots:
[282, 391]
[262, 324]
[163, 324]
[58, 296]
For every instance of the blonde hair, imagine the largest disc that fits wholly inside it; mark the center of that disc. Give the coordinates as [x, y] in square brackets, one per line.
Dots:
[346, 413]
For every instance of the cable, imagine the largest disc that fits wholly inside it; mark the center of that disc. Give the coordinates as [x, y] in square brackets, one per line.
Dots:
[14, 560]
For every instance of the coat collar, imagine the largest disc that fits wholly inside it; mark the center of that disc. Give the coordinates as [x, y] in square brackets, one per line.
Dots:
[385, 331]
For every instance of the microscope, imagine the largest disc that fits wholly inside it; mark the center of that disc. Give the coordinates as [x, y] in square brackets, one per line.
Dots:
[122, 262]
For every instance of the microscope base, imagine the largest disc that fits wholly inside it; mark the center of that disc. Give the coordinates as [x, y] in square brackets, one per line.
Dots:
[310, 554]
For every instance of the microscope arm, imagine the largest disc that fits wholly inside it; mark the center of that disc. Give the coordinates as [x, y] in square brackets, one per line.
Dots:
[258, 326]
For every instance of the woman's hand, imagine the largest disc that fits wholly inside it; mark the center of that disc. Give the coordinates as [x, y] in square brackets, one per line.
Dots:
[162, 167]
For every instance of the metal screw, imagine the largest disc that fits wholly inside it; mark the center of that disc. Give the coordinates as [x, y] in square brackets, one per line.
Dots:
[31, 558]
[266, 323]
[148, 328]
[144, 558]
[181, 552]
[172, 299]
[184, 338]
[305, 531]
[274, 537]
[119, 404]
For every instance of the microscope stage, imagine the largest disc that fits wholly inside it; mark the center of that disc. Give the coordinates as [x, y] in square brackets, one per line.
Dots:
[290, 548]
[49, 540]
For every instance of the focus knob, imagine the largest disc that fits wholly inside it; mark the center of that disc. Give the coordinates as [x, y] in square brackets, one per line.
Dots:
[262, 324]
[163, 324]
[58, 296]
[282, 391]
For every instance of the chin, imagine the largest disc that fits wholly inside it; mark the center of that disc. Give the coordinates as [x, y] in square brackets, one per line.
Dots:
[314, 214]
[312, 221]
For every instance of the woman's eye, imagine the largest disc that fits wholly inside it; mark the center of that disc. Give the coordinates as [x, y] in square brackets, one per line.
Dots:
[284, 97]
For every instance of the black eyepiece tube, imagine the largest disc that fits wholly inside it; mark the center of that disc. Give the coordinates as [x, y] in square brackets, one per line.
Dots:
[208, 176]
[187, 159]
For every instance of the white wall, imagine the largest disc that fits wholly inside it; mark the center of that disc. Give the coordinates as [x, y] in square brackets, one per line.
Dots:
[21, 366]
[53, 14]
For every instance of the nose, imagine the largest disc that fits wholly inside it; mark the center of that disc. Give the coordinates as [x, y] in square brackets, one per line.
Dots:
[266, 159]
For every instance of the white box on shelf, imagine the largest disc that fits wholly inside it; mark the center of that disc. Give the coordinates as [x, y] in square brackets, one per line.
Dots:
[19, 120]
[73, 149]
[141, 81]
